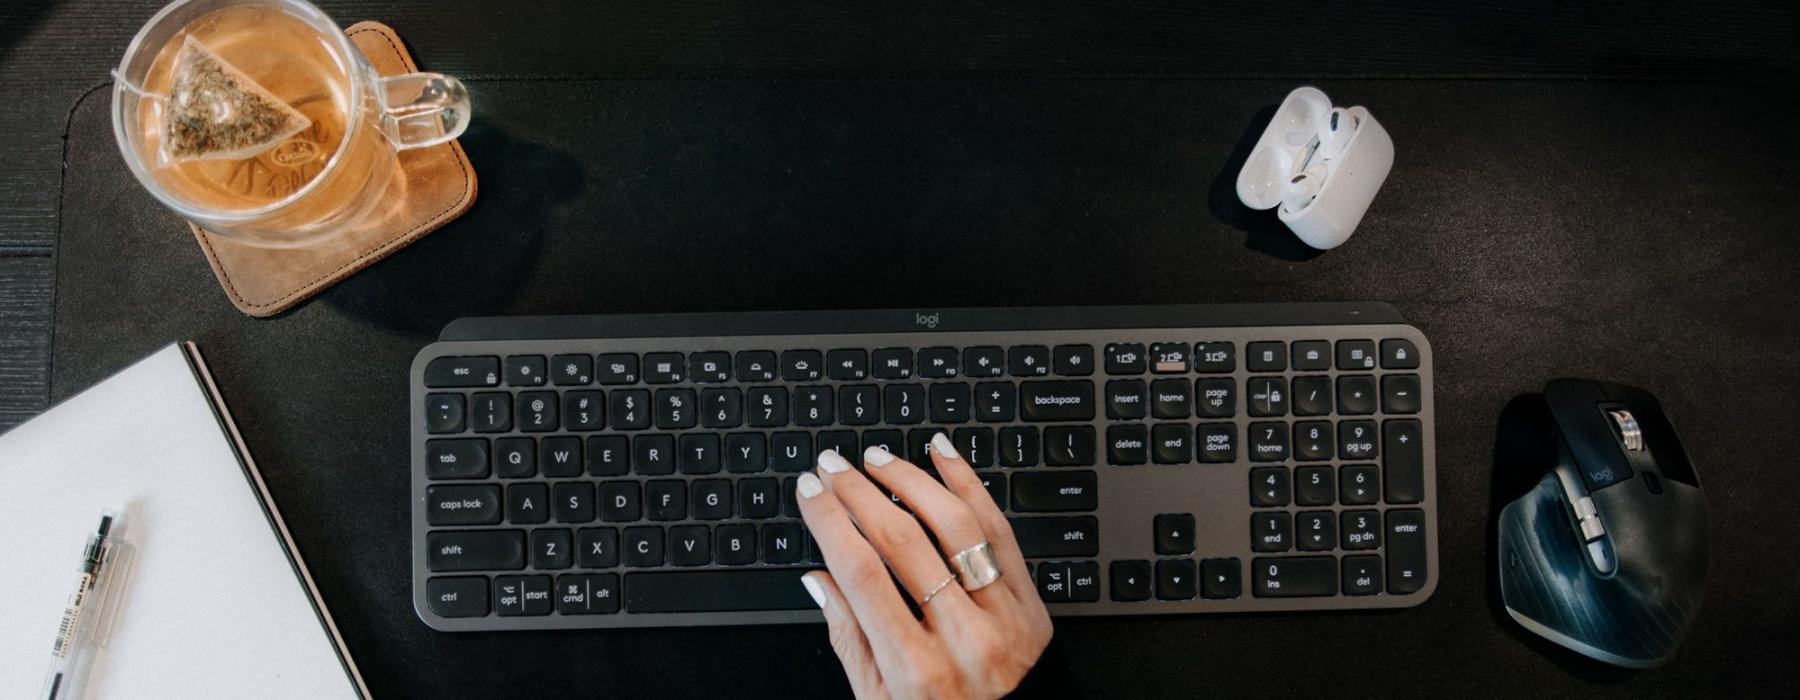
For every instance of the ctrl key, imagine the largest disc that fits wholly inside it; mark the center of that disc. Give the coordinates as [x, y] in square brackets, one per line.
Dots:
[457, 596]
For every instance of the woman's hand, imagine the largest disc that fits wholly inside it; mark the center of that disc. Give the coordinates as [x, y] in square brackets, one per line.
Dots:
[970, 643]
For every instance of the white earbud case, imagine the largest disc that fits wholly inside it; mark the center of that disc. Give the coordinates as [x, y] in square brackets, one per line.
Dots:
[1351, 181]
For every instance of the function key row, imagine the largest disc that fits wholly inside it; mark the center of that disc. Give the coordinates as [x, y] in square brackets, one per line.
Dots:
[851, 364]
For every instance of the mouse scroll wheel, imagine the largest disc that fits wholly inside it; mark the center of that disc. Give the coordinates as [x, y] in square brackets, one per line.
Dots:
[1627, 427]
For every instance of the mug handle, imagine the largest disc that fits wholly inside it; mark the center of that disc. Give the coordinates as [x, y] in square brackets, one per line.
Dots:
[422, 109]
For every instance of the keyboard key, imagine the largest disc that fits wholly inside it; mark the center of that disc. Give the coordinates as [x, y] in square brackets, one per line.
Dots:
[490, 412]
[1355, 354]
[1405, 462]
[1268, 356]
[597, 548]
[618, 368]
[1069, 536]
[572, 370]
[1269, 487]
[768, 407]
[1174, 533]
[1356, 394]
[675, 409]
[755, 366]
[643, 547]
[1362, 575]
[938, 363]
[690, 545]
[1220, 578]
[995, 483]
[1174, 443]
[758, 498]
[1127, 444]
[984, 362]
[721, 590]
[457, 596]
[842, 442]
[1028, 360]
[620, 501]
[475, 504]
[1215, 398]
[608, 455]
[1069, 446]
[737, 545]
[665, 499]
[709, 367]
[893, 363]
[1169, 358]
[1314, 486]
[698, 453]
[1267, 396]
[1054, 492]
[847, 364]
[587, 594]
[1312, 396]
[526, 371]
[1356, 440]
[801, 365]
[1217, 442]
[1400, 393]
[583, 411]
[1170, 398]
[1315, 531]
[722, 407]
[1268, 442]
[1215, 357]
[746, 453]
[561, 456]
[918, 447]
[1176, 579]
[1072, 360]
[813, 406]
[890, 441]
[522, 595]
[1359, 485]
[444, 413]
[1271, 531]
[976, 445]
[628, 409]
[527, 504]
[1312, 441]
[465, 458]
[1130, 580]
[781, 543]
[515, 457]
[1126, 358]
[552, 549]
[859, 404]
[1125, 399]
[574, 502]
[474, 550]
[1084, 581]
[1399, 353]
[904, 404]
[664, 368]
[1053, 581]
[995, 402]
[949, 403]
[1057, 401]
[1360, 529]
[1312, 355]
[462, 372]
[1405, 550]
[537, 411]
[653, 455]
[1289, 577]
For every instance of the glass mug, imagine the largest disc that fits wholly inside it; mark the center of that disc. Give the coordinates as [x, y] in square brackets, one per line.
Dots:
[330, 128]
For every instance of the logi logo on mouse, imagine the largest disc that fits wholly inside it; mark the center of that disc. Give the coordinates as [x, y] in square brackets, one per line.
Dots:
[926, 320]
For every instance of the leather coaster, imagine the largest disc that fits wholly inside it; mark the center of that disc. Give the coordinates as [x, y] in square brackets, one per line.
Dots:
[432, 186]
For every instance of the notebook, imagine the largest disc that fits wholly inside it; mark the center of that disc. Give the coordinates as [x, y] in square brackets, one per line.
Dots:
[216, 601]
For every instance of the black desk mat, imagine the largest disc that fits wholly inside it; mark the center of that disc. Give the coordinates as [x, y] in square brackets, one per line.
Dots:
[1638, 232]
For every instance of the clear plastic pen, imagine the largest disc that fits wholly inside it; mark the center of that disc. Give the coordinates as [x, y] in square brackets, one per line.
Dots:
[74, 634]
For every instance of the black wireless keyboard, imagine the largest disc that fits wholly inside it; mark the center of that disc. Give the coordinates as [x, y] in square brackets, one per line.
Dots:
[633, 471]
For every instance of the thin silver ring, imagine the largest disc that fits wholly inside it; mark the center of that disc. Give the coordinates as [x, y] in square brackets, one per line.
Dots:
[936, 589]
[976, 567]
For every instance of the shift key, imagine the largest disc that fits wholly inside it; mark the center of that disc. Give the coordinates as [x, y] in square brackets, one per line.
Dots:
[475, 550]
[1054, 492]
[1077, 536]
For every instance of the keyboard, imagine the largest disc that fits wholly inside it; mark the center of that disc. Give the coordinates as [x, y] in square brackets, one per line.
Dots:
[639, 471]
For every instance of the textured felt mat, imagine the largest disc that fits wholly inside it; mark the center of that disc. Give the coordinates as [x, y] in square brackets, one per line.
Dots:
[1636, 232]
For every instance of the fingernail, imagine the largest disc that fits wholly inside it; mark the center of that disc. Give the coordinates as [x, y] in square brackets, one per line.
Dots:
[877, 456]
[809, 485]
[941, 443]
[813, 589]
[832, 462]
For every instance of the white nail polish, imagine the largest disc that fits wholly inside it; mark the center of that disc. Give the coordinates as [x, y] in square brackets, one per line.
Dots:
[813, 589]
[809, 485]
[941, 443]
[832, 462]
[876, 456]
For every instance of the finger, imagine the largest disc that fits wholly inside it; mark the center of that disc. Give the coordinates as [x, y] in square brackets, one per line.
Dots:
[846, 634]
[896, 536]
[962, 481]
[866, 584]
[951, 519]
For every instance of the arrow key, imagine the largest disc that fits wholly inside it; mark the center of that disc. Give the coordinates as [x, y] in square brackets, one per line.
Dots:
[1221, 578]
[1175, 579]
[1175, 533]
[1130, 580]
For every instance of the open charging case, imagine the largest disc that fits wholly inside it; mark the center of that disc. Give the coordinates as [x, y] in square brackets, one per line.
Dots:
[1351, 179]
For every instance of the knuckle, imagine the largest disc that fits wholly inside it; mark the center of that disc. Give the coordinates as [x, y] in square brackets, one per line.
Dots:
[861, 573]
[897, 534]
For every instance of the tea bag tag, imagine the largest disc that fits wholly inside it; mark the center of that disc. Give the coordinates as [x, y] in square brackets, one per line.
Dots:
[216, 112]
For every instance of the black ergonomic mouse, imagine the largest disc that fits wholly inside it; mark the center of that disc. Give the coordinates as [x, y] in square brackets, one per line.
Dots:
[1606, 553]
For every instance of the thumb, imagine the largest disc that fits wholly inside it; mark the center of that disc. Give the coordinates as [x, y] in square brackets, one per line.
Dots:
[847, 638]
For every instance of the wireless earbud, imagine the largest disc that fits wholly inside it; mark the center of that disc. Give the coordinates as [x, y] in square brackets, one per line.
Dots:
[1334, 134]
[1301, 189]
[1318, 166]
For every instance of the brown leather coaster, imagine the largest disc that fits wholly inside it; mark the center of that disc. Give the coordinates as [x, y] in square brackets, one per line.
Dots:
[432, 186]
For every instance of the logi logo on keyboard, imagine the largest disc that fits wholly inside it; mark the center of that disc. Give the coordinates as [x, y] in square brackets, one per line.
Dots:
[926, 320]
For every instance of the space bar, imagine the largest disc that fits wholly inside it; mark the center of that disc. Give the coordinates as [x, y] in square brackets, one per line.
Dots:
[716, 591]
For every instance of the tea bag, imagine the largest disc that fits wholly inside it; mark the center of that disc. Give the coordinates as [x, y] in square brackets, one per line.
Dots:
[215, 112]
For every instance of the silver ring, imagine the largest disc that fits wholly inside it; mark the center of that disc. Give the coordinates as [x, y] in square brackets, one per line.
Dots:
[935, 589]
[976, 567]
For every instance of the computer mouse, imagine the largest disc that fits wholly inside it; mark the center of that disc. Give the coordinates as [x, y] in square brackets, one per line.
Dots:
[1606, 553]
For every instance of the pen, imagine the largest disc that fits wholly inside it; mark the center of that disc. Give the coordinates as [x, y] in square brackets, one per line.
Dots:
[65, 655]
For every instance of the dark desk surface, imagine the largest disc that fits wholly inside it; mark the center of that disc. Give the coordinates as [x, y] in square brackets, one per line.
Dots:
[1498, 237]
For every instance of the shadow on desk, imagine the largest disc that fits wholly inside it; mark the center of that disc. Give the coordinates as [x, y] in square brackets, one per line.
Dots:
[1263, 230]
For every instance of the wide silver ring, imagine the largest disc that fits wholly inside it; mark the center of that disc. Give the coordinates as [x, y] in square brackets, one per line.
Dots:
[938, 588]
[976, 567]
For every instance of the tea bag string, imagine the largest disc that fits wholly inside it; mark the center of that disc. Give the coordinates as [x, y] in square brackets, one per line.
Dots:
[141, 92]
